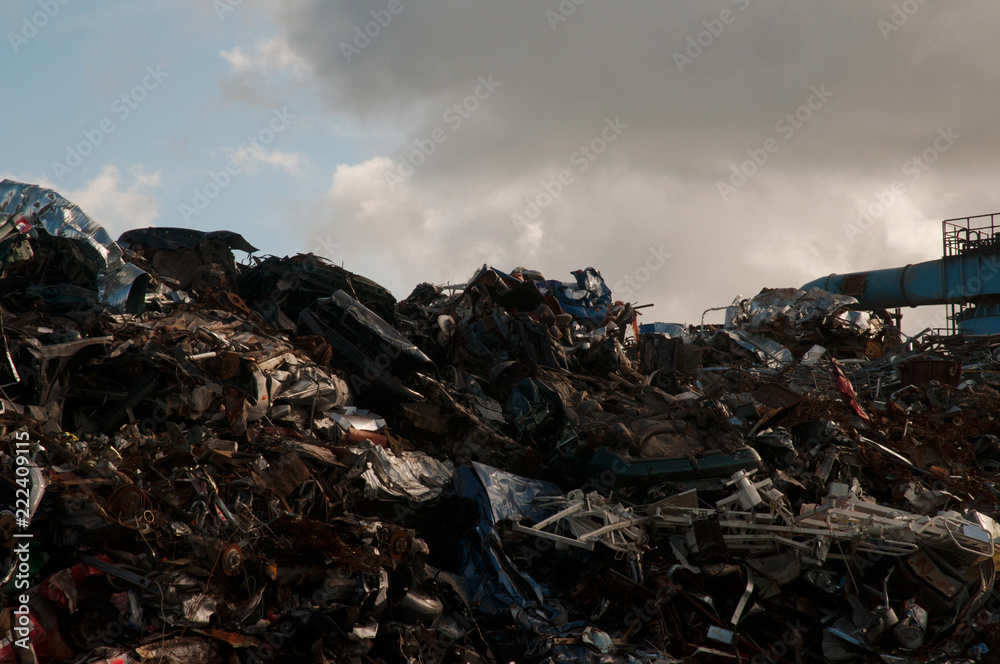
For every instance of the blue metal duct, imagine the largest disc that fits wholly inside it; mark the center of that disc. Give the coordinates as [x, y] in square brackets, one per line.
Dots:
[970, 278]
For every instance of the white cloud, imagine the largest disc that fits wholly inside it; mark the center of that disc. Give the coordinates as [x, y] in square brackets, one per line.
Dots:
[269, 56]
[117, 202]
[250, 160]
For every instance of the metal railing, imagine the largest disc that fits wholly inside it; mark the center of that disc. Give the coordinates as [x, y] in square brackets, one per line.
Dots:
[968, 235]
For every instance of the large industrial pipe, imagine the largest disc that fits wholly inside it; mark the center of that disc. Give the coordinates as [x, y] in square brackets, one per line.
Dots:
[971, 278]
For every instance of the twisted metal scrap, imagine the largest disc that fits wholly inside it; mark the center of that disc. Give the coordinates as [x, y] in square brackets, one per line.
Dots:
[120, 285]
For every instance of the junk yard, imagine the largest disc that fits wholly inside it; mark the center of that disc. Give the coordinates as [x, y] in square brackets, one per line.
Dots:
[212, 454]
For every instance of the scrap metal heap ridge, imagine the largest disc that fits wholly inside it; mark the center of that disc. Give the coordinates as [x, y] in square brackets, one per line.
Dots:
[206, 460]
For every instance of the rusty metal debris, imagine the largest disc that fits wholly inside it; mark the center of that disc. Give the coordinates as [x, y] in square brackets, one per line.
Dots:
[207, 460]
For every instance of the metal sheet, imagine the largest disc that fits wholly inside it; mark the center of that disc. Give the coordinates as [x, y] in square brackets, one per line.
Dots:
[119, 284]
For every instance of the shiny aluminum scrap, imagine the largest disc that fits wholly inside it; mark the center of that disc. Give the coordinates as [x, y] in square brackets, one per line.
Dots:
[26, 207]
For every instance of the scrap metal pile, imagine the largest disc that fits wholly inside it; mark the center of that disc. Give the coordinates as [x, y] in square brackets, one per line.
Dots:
[274, 460]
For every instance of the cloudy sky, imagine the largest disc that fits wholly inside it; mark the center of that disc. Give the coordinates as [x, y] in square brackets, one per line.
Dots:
[690, 151]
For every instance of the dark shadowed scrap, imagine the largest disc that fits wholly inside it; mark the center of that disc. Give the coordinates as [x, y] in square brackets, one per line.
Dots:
[272, 460]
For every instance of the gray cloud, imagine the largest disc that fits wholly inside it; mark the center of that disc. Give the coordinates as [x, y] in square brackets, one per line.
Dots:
[657, 184]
